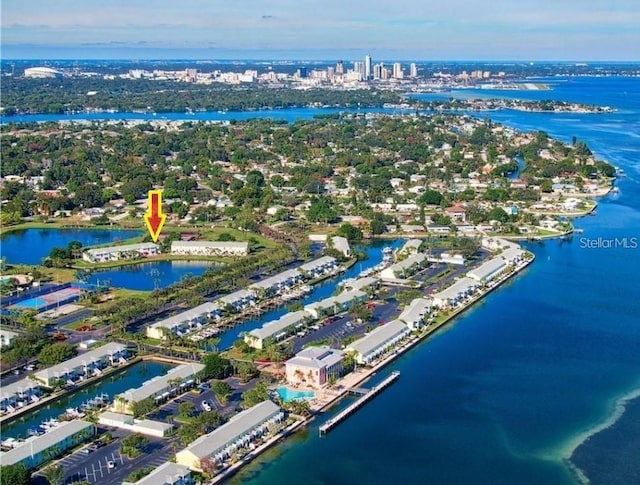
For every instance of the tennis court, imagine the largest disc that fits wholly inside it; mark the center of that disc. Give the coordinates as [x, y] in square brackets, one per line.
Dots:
[50, 300]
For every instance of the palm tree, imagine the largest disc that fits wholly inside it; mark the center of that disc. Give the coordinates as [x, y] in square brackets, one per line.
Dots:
[54, 474]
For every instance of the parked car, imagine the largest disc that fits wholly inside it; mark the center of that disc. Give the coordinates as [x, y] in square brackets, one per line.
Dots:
[205, 406]
[111, 464]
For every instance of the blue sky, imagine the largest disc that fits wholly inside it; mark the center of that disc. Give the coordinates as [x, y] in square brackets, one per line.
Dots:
[323, 29]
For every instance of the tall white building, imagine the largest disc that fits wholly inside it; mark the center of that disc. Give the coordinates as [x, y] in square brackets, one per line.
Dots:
[413, 70]
[397, 70]
[367, 67]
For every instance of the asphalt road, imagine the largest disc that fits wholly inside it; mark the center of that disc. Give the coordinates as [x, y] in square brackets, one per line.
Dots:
[94, 467]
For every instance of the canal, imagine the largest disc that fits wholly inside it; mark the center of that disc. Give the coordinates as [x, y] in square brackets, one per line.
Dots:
[112, 385]
[321, 291]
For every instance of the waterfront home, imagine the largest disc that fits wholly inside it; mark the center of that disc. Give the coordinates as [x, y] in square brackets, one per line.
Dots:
[160, 388]
[341, 244]
[457, 213]
[362, 284]
[314, 366]
[6, 337]
[184, 322]
[19, 394]
[115, 253]
[454, 294]
[378, 341]
[210, 248]
[237, 434]
[168, 473]
[412, 246]
[405, 268]
[157, 429]
[414, 315]
[319, 267]
[435, 229]
[236, 301]
[277, 284]
[409, 228]
[83, 366]
[40, 449]
[276, 330]
[488, 271]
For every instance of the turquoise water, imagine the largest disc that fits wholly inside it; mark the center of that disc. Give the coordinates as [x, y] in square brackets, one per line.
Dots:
[132, 377]
[148, 276]
[41, 241]
[287, 394]
[507, 393]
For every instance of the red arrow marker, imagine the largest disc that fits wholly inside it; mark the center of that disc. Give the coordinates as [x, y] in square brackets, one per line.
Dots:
[154, 218]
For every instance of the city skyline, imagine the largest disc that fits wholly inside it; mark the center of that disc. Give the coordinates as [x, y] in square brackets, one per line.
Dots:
[283, 29]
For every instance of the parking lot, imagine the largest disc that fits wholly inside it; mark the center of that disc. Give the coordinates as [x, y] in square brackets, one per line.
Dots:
[94, 466]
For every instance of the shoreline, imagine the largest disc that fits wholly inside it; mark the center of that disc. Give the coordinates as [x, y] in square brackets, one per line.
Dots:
[617, 407]
[363, 374]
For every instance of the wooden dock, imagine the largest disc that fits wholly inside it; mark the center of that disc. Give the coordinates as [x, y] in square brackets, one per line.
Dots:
[374, 391]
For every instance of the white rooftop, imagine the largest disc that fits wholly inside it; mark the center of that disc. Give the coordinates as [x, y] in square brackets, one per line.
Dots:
[159, 383]
[275, 326]
[378, 336]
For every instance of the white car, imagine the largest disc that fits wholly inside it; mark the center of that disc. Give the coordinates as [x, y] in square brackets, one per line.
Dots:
[111, 464]
[205, 405]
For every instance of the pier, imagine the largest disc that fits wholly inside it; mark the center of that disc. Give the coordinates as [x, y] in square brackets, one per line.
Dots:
[330, 423]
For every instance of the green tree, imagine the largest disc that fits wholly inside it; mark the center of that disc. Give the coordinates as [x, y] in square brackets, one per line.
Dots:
[216, 367]
[55, 353]
[144, 407]
[186, 409]
[138, 474]
[349, 231]
[54, 474]
[14, 475]
[321, 210]
[133, 445]
[222, 390]
[246, 371]
[255, 395]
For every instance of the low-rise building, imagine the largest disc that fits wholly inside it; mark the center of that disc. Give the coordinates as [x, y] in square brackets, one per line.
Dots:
[210, 248]
[236, 301]
[277, 284]
[454, 294]
[513, 256]
[322, 308]
[412, 246]
[314, 366]
[184, 322]
[347, 299]
[40, 449]
[6, 337]
[83, 366]
[341, 244]
[238, 433]
[319, 267]
[157, 429]
[19, 394]
[160, 388]
[488, 271]
[405, 268]
[414, 315]
[276, 330]
[447, 258]
[115, 253]
[168, 473]
[362, 284]
[378, 341]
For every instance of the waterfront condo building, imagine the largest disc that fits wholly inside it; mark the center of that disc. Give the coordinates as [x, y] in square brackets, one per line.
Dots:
[116, 253]
[276, 330]
[378, 341]
[168, 473]
[314, 366]
[238, 433]
[160, 388]
[83, 366]
[40, 449]
[210, 248]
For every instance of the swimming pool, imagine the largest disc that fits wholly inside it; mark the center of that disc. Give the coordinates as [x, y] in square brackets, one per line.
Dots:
[287, 394]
